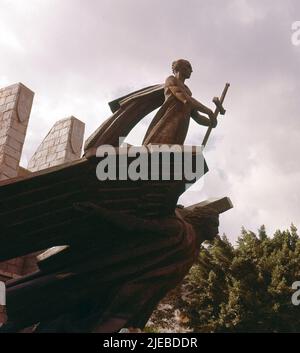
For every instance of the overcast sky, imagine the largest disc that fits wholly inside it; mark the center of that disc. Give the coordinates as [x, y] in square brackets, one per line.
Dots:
[78, 55]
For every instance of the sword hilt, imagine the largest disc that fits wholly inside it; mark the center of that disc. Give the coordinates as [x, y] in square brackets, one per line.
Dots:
[219, 109]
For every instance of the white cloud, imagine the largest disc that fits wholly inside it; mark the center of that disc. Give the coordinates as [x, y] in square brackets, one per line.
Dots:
[9, 40]
[247, 12]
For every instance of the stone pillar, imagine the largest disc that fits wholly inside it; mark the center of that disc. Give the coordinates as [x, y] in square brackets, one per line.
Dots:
[15, 107]
[62, 144]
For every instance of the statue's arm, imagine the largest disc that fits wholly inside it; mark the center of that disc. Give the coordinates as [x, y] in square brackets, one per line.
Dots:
[176, 90]
[203, 120]
[200, 119]
[185, 98]
[130, 223]
[201, 107]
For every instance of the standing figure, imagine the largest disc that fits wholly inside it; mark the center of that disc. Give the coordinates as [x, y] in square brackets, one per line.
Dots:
[170, 124]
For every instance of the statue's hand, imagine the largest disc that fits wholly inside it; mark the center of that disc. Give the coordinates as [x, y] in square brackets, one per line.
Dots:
[213, 119]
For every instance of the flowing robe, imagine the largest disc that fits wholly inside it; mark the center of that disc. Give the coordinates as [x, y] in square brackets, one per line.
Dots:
[170, 124]
[108, 290]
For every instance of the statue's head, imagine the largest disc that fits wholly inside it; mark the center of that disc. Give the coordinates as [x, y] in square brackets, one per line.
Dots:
[205, 222]
[182, 66]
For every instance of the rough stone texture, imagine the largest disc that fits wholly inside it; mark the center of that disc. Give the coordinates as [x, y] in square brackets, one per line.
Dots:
[15, 106]
[62, 144]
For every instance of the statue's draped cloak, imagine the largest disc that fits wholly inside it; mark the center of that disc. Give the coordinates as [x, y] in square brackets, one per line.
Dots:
[171, 122]
[169, 125]
[136, 300]
[105, 298]
[127, 112]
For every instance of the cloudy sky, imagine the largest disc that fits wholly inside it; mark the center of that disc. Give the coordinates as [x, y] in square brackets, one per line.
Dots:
[77, 55]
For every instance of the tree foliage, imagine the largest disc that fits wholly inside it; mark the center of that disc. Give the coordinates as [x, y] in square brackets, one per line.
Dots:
[246, 288]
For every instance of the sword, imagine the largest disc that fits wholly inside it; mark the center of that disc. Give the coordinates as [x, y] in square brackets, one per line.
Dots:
[219, 109]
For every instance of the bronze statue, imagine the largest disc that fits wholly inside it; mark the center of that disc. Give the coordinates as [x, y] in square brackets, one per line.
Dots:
[170, 125]
[115, 265]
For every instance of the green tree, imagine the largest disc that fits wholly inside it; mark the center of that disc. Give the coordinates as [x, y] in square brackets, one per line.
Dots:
[246, 288]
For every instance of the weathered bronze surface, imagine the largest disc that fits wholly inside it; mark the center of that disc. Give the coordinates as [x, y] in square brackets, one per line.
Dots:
[115, 280]
[123, 244]
[170, 124]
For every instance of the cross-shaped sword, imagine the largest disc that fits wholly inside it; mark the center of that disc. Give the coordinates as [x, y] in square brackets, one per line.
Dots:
[219, 109]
